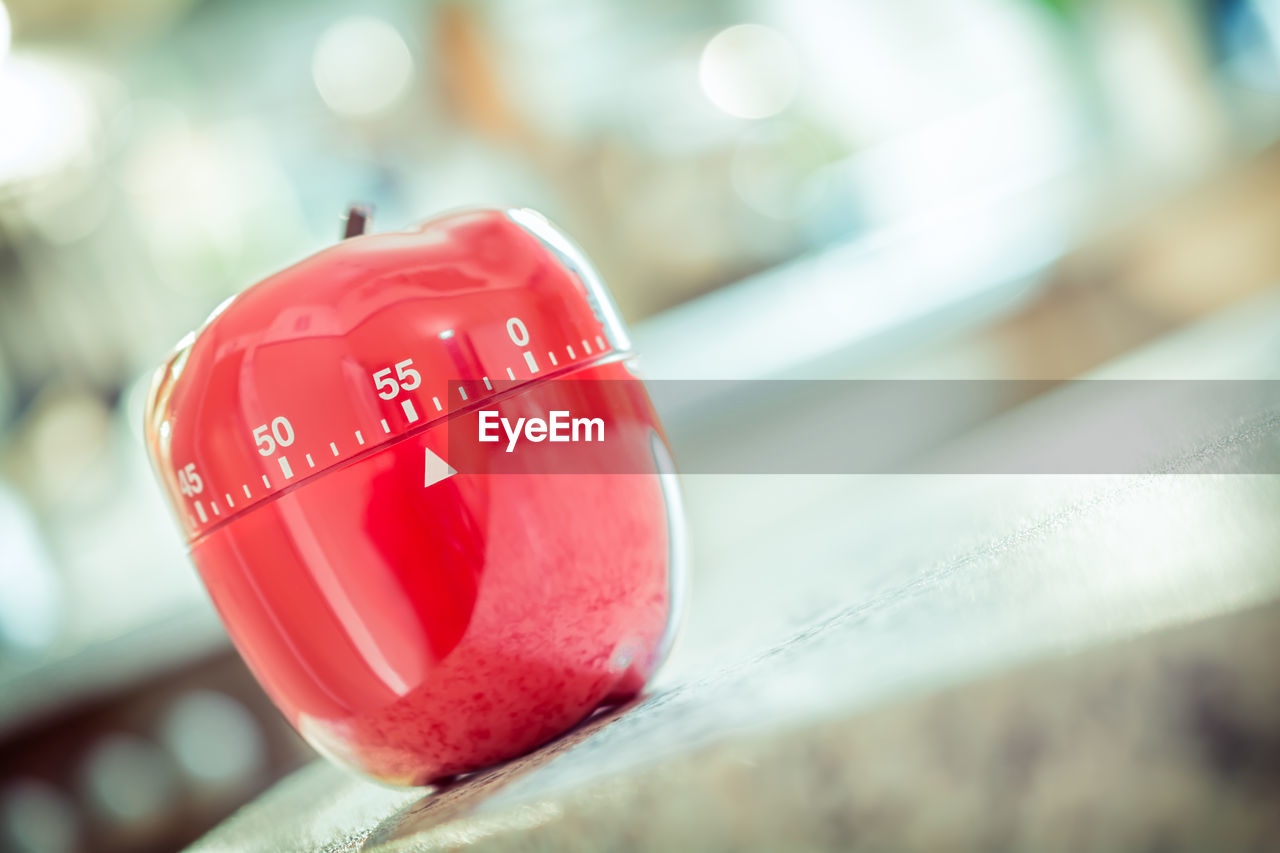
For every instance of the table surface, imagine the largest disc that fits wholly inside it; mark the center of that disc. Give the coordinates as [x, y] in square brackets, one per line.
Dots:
[910, 661]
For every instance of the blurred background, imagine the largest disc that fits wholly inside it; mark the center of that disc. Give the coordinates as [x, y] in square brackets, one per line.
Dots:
[977, 188]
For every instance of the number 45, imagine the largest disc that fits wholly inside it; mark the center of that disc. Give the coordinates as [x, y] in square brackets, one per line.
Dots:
[189, 482]
[388, 387]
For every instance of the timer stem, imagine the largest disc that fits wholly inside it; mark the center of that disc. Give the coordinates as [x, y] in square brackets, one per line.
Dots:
[357, 222]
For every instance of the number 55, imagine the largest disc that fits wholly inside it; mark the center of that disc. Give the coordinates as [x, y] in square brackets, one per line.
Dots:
[389, 387]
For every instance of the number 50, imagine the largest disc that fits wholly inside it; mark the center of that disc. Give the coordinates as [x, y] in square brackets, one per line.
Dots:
[267, 437]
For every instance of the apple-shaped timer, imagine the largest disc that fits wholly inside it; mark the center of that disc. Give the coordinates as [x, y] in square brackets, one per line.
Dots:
[420, 598]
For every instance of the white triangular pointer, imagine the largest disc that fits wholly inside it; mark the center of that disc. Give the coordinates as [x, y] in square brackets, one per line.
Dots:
[437, 469]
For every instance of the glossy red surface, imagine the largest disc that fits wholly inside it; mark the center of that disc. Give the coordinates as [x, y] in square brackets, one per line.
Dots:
[411, 626]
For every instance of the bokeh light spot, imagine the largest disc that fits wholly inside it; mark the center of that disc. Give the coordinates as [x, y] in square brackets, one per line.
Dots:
[749, 71]
[361, 66]
[6, 31]
[214, 738]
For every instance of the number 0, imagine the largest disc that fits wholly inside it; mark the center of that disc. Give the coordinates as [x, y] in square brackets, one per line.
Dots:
[518, 332]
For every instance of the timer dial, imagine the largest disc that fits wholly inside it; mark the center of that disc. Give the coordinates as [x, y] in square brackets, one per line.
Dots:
[416, 618]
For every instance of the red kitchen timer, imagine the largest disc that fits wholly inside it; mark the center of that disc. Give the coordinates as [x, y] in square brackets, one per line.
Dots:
[419, 600]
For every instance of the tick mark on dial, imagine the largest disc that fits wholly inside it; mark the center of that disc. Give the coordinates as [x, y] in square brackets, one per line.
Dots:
[214, 506]
[487, 384]
[410, 413]
[586, 347]
[552, 356]
[600, 343]
[311, 463]
[512, 374]
[462, 392]
[359, 438]
[386, 427]
[334, 447]
[528, 359]
[436, 400]
[572, 354]
[245, 486]
[230, 502]
[200, 512]
[265, 481]
[285, 468]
